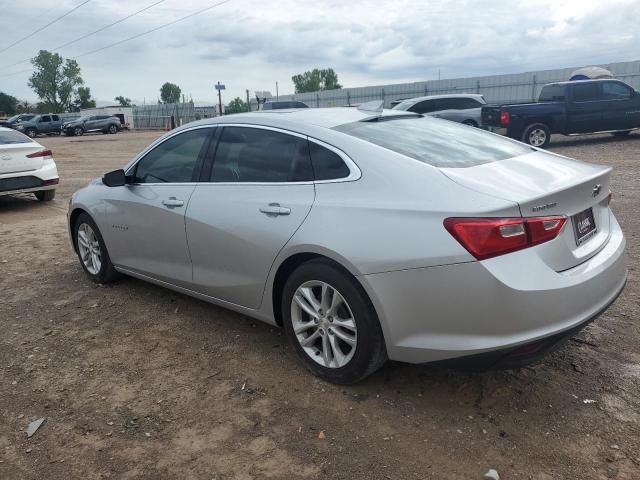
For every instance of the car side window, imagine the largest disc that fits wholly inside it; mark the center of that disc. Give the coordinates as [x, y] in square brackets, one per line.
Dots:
[56, 118]
[468, 103]
[258, 155]
[327, 165]
[615, 91]
[174, 160]
[586, 92]
[45, 118]
[425, 106]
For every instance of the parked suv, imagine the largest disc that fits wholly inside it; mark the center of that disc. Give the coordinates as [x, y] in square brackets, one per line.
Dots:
[461, 108]
[94, 123]
[569, 108]
[40, 124]
[12, 122]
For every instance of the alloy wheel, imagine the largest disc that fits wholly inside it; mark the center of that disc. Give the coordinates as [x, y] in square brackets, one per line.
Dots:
[323, 324]
[89, 249]
[537, 137]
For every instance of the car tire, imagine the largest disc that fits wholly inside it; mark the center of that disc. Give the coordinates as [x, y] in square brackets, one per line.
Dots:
[471, 123]
[537, 135]
[621, 133]
[113, 129]
[31, 132]
[45, 195]
[78, 131]
[347, 343]
[89, 243]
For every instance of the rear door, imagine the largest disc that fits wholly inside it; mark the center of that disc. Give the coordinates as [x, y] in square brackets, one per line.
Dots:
[258, 192]
[585, 112]
[147, 217]
[14, 148]
[44, 124]
[55, 123]
[623, 110]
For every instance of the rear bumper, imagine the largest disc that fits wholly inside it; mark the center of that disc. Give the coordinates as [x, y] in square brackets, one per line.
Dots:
[497, 305]
[32, 181]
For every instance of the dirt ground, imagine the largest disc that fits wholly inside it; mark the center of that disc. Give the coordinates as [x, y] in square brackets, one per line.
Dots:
[136, 381]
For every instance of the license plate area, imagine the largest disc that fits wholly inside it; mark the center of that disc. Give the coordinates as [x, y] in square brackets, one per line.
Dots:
[584, 226]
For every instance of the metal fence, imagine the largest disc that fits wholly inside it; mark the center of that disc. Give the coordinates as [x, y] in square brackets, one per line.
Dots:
[513, 88]
[159, 116]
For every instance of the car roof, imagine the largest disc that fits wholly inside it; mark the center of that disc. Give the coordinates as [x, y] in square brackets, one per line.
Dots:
[590, 80]
[319, 117]
[436, 97]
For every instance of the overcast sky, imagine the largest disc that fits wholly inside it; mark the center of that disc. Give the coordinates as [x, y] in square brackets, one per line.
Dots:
[249, 44]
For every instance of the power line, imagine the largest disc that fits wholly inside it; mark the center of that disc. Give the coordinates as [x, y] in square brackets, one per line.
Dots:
[133, 37]
[152, 30]
[89, 34]
[47, 25]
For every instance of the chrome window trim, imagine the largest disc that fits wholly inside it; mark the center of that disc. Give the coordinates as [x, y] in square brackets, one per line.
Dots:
[354, 170]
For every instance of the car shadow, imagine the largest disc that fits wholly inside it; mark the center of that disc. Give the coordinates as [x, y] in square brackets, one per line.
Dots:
[568, 141]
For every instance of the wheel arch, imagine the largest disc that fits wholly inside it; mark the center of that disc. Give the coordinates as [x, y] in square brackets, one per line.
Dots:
[292, 261]
[73, 218]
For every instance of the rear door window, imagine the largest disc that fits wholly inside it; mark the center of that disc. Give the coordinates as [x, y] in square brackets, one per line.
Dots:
[56, 118]
[258, 155]
[586, 92]
[441, 144]
[552, 93]
[45, 118]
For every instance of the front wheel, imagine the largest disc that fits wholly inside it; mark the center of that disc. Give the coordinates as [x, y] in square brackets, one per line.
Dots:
[31, 132]
[113, 129]
[332, 324]
[77, 131]
[92, 251]
[537, 135]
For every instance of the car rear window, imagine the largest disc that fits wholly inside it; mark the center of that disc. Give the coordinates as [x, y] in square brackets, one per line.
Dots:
[10, 138]
[439, 143]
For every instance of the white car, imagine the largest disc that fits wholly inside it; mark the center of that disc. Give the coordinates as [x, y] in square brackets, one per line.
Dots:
[26, 166]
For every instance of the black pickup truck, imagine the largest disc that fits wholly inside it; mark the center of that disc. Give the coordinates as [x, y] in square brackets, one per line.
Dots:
[568, 108]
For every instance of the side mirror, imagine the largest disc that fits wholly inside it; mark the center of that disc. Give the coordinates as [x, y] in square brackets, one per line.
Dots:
[117, 178]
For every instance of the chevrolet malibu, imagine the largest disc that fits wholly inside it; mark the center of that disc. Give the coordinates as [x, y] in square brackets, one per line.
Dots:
[367, 234]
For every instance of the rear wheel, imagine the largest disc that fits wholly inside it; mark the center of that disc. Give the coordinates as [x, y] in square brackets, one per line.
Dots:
[92, 251]
[537, 135]
[113, 129]
[78, 131]
[471, 123]
[31, 132]
[332, 324]
[45, 195]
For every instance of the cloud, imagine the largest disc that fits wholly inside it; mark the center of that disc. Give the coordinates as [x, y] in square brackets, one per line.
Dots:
[249, 44]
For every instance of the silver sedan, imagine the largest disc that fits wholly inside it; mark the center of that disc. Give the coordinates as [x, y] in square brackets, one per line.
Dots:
[367, 234]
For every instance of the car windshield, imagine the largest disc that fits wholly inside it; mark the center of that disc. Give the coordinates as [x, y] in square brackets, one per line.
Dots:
[439, 143]
[12, 137]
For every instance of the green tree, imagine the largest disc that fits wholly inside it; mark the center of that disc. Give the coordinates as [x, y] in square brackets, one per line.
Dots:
[83, 99]
[237, 105]
[315, 80]
[55, 80]
[8, 104]
[170, 93]
[123, 101]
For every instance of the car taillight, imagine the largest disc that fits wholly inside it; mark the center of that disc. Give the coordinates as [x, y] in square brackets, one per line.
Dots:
[41, 153]
[489, 237]
[505, 118]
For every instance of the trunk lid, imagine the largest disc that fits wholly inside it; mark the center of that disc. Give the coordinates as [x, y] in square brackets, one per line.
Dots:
[545, 184]
[13, 158]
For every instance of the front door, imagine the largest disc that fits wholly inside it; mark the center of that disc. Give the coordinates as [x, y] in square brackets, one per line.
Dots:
[146, 217]
[623, 111]
[258, 193]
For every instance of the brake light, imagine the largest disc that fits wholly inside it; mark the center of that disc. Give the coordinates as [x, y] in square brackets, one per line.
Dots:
[505, 118]
[489, 237]
[41, 153]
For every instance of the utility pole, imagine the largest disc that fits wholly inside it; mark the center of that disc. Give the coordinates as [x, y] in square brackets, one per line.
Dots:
[220, 86]
[277, 96]
[248, 104]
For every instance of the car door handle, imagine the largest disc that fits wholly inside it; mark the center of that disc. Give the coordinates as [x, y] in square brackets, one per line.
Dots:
[173, 202]
[274, 209]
